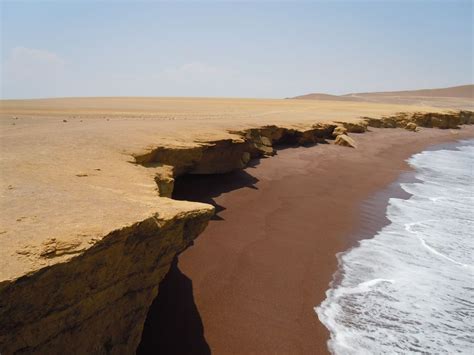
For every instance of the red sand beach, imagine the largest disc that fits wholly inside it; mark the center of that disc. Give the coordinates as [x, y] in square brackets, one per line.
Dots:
[252, 278]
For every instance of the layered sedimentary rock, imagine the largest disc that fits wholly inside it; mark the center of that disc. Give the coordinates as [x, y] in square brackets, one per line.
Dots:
[85, 291]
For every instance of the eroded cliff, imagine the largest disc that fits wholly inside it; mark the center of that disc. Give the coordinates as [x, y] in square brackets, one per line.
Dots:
[222, 156]
[96, 303]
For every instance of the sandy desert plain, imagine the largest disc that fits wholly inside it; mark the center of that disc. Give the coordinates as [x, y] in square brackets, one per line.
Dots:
[89, 227]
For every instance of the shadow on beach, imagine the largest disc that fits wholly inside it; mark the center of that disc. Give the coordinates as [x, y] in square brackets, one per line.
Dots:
[173, 324]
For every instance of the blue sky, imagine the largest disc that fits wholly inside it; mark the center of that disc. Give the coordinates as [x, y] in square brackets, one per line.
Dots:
[232, 49]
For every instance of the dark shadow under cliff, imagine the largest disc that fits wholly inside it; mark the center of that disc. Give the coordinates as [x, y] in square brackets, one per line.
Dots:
[205, 188]
[173, 325]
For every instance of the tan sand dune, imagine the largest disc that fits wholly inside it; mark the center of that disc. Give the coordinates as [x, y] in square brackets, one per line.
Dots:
[452, 97]
[463, 91]
[329, 97]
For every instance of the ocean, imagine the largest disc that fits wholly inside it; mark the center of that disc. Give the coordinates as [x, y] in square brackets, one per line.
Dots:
[410, 288]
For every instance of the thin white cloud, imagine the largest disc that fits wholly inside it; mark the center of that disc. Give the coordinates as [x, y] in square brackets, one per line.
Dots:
[32, 72]
[196, 78]
[196, 71]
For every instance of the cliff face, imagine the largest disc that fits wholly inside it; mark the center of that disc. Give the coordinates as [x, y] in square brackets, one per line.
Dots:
[430, 120]
[226, 155]
[97, 301]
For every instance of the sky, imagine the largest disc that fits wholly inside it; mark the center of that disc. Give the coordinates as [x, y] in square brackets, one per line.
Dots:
[232, 49]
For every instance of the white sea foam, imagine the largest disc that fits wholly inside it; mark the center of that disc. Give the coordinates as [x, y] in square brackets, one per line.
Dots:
[410, 289]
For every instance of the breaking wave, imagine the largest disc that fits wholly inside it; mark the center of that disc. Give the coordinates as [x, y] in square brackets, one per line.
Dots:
[410, 289]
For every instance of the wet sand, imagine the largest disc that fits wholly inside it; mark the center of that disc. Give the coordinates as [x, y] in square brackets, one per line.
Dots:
[263, 263]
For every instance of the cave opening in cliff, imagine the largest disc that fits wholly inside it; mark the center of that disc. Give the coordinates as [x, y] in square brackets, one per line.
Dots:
[206, 187]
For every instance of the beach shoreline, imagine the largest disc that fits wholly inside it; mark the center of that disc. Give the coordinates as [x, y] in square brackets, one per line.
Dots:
[268, 257]
[381, 287]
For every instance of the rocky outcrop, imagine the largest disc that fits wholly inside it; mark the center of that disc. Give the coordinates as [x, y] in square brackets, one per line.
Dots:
[97, 302]
[466, 117]
[355, 127]
[420, 119]
[339, 130]
[345, 141]
[411, 126]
